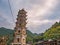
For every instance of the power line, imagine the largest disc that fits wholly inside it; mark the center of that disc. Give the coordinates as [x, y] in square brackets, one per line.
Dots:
[11, 11]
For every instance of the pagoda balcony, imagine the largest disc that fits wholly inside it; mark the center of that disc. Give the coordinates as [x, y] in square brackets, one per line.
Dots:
[20, 19]
[21, 15]
[18, 36]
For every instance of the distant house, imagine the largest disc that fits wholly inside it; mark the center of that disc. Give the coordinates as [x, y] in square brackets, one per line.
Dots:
[48, 42]
[3, 40]
[29, 43]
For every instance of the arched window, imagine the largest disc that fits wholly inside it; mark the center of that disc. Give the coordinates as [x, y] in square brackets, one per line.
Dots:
[19, 31]
[18, 39]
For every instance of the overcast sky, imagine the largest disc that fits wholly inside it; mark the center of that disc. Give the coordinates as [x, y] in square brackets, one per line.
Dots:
[41, 14]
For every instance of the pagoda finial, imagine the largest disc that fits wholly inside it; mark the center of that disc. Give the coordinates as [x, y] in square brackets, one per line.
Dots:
[22, 11]
[22, 8]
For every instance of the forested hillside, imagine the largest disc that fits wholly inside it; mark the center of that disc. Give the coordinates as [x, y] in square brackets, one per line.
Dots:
[53, 32]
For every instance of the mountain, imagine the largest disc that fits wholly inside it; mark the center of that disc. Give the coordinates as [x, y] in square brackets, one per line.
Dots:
[4, 31]
[53, 32]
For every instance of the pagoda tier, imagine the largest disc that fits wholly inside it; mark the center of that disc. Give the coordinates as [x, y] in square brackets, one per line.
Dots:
[21, 19]
[22, 12]
[21, 15]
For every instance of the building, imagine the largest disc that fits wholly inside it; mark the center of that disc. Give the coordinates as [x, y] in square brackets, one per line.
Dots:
[52, 42]
[3, 40]
[20, 29]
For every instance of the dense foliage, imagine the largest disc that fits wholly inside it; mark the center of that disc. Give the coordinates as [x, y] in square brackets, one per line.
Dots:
[53, 32]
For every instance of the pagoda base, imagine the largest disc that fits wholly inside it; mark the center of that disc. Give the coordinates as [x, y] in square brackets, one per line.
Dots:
[15, 43]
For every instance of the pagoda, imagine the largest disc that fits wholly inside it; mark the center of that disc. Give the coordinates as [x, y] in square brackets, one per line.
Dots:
[20, 29]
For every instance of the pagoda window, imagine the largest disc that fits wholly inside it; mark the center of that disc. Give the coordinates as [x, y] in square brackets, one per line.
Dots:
[18, 39]
[19, 31]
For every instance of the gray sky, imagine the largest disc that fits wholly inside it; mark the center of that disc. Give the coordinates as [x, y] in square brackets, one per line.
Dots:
[41, 14]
